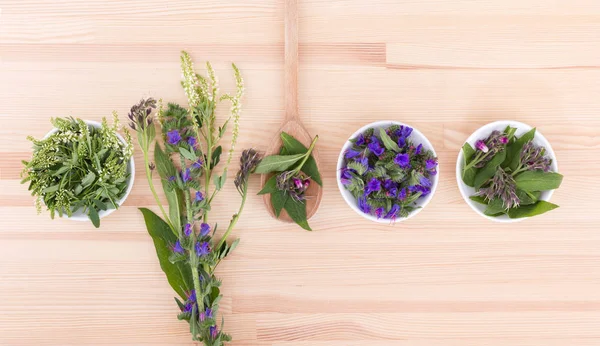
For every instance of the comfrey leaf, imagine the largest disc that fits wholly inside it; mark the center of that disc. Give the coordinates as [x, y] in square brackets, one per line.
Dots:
[494, 207]
[538, 181]
[488, 171]
[516, 147]
[292, 146]
[468, 175]
[278, 200]
[297, 211]
[270, 186]
[537, 208]
[277, 163]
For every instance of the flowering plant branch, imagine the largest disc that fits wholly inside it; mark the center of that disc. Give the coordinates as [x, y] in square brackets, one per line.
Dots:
[185, 241]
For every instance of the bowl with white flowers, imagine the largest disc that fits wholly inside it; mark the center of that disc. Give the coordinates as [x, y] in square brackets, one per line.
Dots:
[82, 170]
[507, 171]
[387, 171]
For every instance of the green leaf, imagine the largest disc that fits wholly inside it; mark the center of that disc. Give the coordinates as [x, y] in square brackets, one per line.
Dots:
[50, 189]
[164, 165]
[490, 168]
[478, 199]
[78, 190]
[165, 169]
[94, 217]
[270, 186]
[538, 180]
[538, 208]
[496, 206]
[278, 200]
[100, 204]
[187, 154]
[216, 157]
[516, 147]
[178, 274]
[527, 198]
[358, 167]
[219, 181]
[412, 198]
[88, 179]
[277, 163]
[387, 141]
[291, 146]
[468, 176]
[297, 211]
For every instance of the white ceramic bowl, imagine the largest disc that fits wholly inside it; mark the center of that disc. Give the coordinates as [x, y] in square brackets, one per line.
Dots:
[484, 132]
[418, 138]
[79, 215]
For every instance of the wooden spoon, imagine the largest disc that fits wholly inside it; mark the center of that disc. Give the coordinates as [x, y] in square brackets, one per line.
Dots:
[292, 124]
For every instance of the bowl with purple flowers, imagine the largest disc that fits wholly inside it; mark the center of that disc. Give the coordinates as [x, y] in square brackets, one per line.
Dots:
[387, 171]
[506, 172]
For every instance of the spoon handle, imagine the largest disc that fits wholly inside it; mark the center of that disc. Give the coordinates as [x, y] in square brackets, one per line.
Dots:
[291, 60]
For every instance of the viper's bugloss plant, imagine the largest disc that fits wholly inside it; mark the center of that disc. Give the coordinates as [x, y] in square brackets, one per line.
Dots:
[184, 236]
[509, 174]
[387, 172]
[79, 167]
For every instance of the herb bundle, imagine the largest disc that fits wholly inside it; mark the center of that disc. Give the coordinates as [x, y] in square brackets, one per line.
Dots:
[184, 238]
[79, 167]
[292, 171]
[509, 174]
[387, 173]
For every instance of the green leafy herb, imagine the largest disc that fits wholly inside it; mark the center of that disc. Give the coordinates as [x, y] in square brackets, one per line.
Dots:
[538, 180]
[468, 175]
[292, 171]
[79, 167]
[537, 208]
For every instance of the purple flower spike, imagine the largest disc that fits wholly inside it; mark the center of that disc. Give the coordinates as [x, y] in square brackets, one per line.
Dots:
[199, 196]
[379, 212]
[352, 153]
[204, 229]
[173, 137]
[187, 230]
[393, 213]
[402, 160]
[202, 249]
[177, 248]
[372, 186]
[401, 142]
[363, 205]
[480, 145]
[391, 188]
[375, 146]
[425, 182]
[430, 165]
[186, 176]
[419, 148]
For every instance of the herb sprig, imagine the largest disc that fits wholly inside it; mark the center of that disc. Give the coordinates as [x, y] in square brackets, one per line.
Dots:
[292, 171]
[509, 174]
[79, 167]
[185, 240]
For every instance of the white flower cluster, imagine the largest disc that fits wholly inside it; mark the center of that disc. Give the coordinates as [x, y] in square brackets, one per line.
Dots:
[190, 80]
[236, 107]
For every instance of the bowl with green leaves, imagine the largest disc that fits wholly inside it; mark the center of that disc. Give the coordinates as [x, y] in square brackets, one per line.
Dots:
[387, 171]
[82, 170]
[507, 172]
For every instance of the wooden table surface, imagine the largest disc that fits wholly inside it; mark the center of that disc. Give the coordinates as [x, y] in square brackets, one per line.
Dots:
[446, 277]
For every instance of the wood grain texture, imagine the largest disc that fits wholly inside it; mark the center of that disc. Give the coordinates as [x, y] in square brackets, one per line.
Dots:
[447, 277]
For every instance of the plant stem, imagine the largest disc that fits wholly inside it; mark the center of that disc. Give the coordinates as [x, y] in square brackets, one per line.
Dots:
[307, 155]
[149, 177]
[235, 218]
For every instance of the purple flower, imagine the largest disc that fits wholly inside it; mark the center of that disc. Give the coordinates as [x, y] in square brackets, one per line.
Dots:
[401, 142]
[191, 297]
[186, 176]
[191, 141]
[298, 183]
[375, 146]
[404, 131]
[430, 165]
[346, 177]
[393, 213]
[363, 205]
[372, 186]
[197, 164]
[202, 249]
[187, 230]
[188, 307]
[363, 160]
[199, 196]
[391, 189]
[402, 194]
[402, 160]
[214, 331]
[209, 313]
[360, 140]
[202, 316]
[173, 137]
[171, 178]
[177, 248]
[419, 148]
[204, 229]
[419, 188]
[503, 139]
[425, 182]
[350, 153]
[480, 145]
[379, 212]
